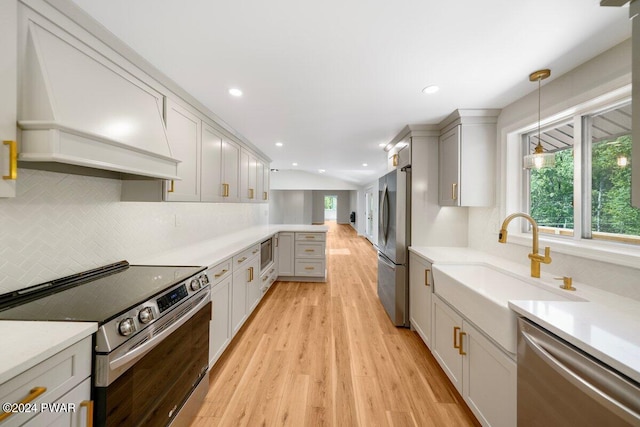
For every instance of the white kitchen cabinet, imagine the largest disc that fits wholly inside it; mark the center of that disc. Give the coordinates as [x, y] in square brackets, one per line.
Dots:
[420, 296]
[63, 378]
[78, 399]
[266, 181]
[220, 333]
[184, 132]
[286, 259]
[220, 162]
[246, 288]
[248, 176]
[9, 90]
[467, 150]
[485, 376]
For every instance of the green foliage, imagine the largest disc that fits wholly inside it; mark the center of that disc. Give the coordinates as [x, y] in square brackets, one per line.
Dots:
[551, 197]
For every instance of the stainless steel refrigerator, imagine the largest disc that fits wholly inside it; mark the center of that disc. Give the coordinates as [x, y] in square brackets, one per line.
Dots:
[394, 235]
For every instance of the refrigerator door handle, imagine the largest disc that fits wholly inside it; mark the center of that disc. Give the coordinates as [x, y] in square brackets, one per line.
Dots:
[386, 261]
[384, 215]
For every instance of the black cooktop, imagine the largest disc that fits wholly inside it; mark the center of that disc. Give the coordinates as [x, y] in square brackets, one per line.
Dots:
[95, 296]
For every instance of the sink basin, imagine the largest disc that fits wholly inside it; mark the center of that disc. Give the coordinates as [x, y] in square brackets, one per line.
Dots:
[481, 292]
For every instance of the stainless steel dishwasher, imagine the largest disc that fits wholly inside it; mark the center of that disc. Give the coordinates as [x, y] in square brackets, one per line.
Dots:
[559, 385]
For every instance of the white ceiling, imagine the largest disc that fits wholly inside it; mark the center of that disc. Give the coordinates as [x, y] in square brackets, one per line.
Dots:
[333, 79]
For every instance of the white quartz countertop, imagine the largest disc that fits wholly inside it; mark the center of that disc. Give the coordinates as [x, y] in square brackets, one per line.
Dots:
[606, 325]
[210, 252]
[26, 343]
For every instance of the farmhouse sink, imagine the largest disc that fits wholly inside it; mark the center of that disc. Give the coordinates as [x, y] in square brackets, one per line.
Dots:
[481, 292]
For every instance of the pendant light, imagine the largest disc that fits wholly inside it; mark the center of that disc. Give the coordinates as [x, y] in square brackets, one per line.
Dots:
[539, 159]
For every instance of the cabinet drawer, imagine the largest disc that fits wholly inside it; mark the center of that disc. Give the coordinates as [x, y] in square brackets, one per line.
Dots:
[309, 249]
[308, 267]
[58, 374]
[244, 256]
[218, 272]
[311, 236]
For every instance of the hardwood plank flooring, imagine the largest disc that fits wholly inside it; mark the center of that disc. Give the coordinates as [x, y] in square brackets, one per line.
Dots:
[326, 354]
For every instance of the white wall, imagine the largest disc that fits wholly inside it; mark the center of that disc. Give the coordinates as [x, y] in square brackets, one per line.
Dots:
[62, 224]
[301, 180]
[290, 207]
[605, 73]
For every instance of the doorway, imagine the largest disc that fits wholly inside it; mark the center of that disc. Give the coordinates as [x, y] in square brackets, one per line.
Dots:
[369, 201]
[330, 208]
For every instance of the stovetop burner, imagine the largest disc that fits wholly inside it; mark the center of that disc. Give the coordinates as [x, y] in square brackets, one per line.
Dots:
[96, 296]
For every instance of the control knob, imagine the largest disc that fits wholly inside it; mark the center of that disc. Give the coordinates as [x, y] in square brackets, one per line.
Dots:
[126, 327]
[145, 315]
[195, 284]
[204, 279]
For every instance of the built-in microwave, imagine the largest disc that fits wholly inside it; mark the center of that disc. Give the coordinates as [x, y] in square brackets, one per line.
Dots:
[266, 253]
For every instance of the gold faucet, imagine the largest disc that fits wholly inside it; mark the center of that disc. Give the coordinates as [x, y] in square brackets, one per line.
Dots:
[534, 256]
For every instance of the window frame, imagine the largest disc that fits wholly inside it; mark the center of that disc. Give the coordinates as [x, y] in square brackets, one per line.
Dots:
[513, 183]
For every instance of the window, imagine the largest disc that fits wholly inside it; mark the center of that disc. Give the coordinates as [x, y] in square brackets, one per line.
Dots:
[599, 167]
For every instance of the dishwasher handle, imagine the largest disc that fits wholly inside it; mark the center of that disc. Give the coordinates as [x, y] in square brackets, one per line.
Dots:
[583, 384]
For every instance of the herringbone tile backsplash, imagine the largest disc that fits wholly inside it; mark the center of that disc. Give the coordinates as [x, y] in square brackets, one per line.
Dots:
[61, 224]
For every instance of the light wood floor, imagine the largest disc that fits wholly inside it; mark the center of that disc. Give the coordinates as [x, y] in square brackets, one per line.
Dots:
[315, 354]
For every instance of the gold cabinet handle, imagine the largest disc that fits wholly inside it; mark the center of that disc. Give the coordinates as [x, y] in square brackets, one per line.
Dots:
[241, 260]
[171, 187]
[225, 190]
[13, 160]
[251, 274]
[454, 191]
[395, 160]
[460, 350]
[456, 329]
[264, 279]
[255, 251]
[265, 196]
[221, 273]
[309, 237]
[251, 193]
[426, 276]
[89, 405]
[309, 268]
[33, 393]
[309, 250]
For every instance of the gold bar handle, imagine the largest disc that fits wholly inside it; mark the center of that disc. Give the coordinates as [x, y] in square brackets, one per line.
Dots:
[309, 250]
[456, 329]
[426, 276]
[221, 273]
[460, 350]
[454, 191]
[171, 187]
[309, 268]
[241, 260]
[225, 190]
[395, 160]
[251, 193]
[89, 405]
[251, 274]
[13, 160]
[33, 393]
[265, 196]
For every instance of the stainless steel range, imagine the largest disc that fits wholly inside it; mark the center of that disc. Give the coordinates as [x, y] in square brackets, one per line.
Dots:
[151, 348]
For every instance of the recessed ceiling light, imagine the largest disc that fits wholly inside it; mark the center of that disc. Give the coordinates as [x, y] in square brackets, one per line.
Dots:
[321, 170]
[430, 89]
[279, 144]
[365, 165]
[294, 164]
[382, 144]
[235, 92]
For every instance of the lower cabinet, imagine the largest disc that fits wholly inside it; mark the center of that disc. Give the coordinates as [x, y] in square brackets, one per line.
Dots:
[286, 265]
[246, 286]
[420, 295]
[220, 328]
[484, 375]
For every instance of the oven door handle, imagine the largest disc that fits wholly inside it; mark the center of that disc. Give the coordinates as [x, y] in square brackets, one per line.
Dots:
[132, 356]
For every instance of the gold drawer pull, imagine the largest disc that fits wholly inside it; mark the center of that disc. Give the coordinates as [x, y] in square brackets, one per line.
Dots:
[265, 196]
[460, 350]
[309, 250]
[241, 260]
[309, 268]
[454, 191]
[255, 251]
[221, 273]
[426, 276]
[13, 160]
[265, 278]
[251, 193]
[33, 393]
[250, 274]
[309, 237]
[89, 405]
[456, 329]
[225, 190]
[171, 187]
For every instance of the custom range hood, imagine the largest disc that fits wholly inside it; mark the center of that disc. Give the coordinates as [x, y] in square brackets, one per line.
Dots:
[80, 108]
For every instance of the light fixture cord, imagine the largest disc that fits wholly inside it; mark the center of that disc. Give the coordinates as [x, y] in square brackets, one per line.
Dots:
[539, 86]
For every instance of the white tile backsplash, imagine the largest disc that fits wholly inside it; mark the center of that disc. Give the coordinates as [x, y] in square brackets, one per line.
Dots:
[484, 224]
[60, 224]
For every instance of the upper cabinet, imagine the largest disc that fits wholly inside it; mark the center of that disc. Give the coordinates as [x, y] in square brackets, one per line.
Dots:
[467, 158]
[8, 106]
[220, 167]
[266, 182]
[184, 131]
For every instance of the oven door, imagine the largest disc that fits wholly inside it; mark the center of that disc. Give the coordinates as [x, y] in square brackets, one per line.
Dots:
[159, 381]
[266, 254]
